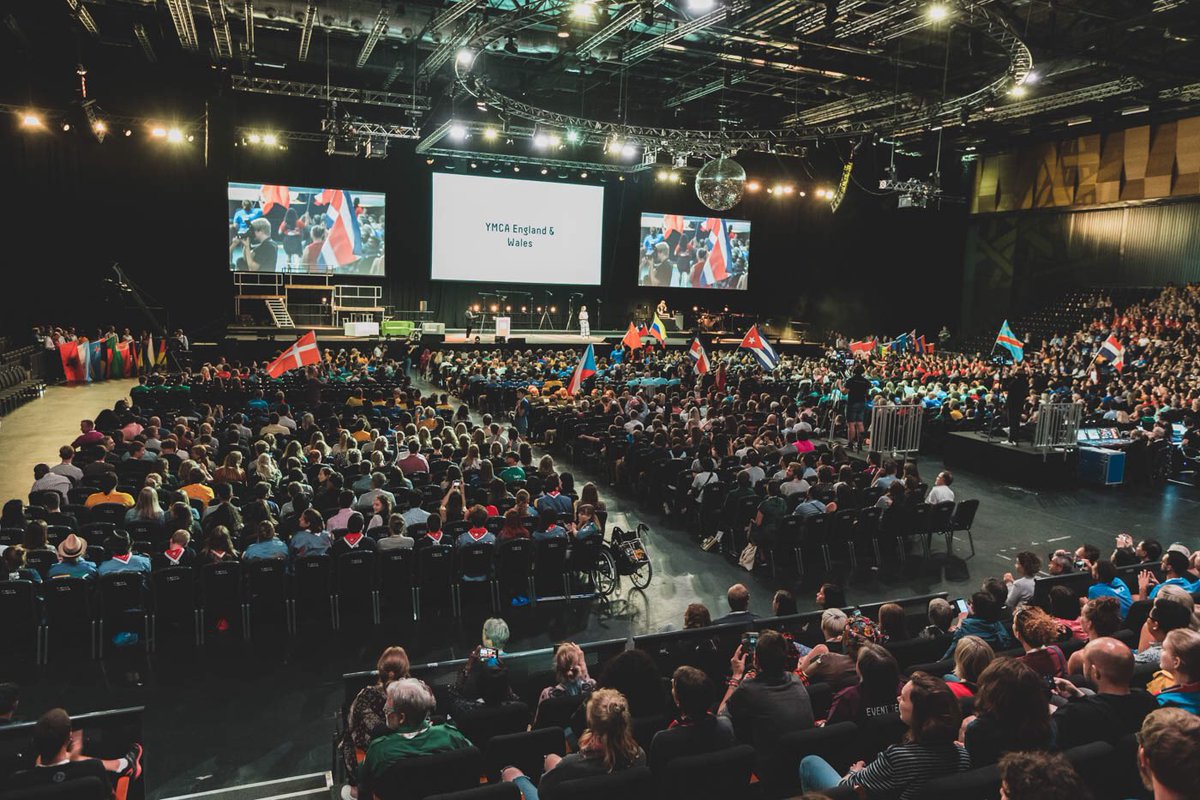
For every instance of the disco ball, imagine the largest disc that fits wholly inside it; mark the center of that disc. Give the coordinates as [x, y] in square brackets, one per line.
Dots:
[720, 183]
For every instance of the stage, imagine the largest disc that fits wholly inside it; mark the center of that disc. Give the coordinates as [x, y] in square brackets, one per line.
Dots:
[1020, 464]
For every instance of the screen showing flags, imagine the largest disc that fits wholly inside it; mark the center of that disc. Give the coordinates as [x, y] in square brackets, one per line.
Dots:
[693, 252]
[299, 229]
[699, 357]
[760, 348]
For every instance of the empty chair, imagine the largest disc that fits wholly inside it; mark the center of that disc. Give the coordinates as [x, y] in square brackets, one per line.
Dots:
[550, 569]
[435, 572]
[266, 593]
[121, 602]
[396, 580]
[515, 561]
[525, 750]
[843, 532]
[312, 594]
[173, 601]
[67, 604]
[481, 723]
[475, 567]
[113, 513]
[19, 624]
[780, 771]
[961, 520]
[635, 783]
[355, 587]
[221, 597]
[723, 775]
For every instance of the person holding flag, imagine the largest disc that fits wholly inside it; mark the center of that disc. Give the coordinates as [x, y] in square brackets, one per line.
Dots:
[1009, 341]
[699, 357]
[658, 330]
[303, 353]
[632, 338]
[760, 348]
[585, 370]
[1113, 352]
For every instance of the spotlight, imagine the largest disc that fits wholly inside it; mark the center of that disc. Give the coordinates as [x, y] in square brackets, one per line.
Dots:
[99, 127]
[255, 138]
[191, 138]
[789, 189]
[539, 309]
[803, 193]
[544, 171]
[465, 56]
[572, 136]
[524, 309]
[583, 174]
[770, 190]
[490, 134]
[555, 140]
[128, 132]
[495, 308]
[629, 151]
[583, 11]
[1031, 78]
[778, 189]
[270, 139]
[473, 165]
[158, 132]
[663, 175]
[1018, 91]
[458, 133]
[553, 310]
[674, 175]
[66, 126]
[30, 120]
[564, 32]
[429, 161]
[508, 309]
[174, 136]
[937, 12]
[540, 141]
[753, 186]
[516, 168]
[700, 5]
[510, 46]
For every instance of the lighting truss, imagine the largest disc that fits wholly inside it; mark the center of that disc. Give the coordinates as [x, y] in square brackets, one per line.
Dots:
[139, 32]
[1053, 102]
[185, 23]
[840, 109]
[377, 32]
[317, 91]
[705, 90]
[620, 23]
[1187, 93]
[648, 48]
[444, 52]
[306, 29]
[96, 124]
[248, 9]
[220, 26]
[79, 10]
[451, 15]
[549, 163]
[878, 19]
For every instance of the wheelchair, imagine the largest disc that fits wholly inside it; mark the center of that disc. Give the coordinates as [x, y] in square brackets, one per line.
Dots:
[622, 554]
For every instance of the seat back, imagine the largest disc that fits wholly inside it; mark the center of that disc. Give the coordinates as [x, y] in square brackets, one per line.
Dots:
[109, 512]
[635, 783]
[1095, 764]
[18, 614]
[964, 514]
[488, 791]
[174, 592]
[67, 603]
[551, 559]
[313, 576]
[356, 573]
[878, 733]
[120, 592]
[975, 784]
[781, 769]
[480, 724]
[525, 750]
[476, 560]
[89, 788]
[420, 777]
[41, 560]
[723, 775]
[395, 574]
[515, 559]
[556, 712]
[266, 582]
[435, 565]
[221, 587]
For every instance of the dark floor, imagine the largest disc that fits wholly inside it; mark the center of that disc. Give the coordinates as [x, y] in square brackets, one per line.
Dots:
[238, 713]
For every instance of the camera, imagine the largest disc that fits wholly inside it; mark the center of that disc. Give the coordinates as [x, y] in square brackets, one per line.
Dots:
[749, 641]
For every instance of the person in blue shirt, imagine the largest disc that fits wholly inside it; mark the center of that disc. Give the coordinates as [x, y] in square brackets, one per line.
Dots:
[267, 545]
[72, 563]
[1181, 658]
[548, 527]
[812, 507]
[552, 499]
[123, 559]
[245, 215]
[521, 413]
[257, 403]
[311, 539]
[1107, 584]
[585, 525]
[1176, 570]
[478, 532]
[982, 620]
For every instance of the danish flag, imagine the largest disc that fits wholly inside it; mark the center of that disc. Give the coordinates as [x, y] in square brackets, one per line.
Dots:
[300, 354]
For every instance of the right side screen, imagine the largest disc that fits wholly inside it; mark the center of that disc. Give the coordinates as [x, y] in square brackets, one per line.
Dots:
[694, 252]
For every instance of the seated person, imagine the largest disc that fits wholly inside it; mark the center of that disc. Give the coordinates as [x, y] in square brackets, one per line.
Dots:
[1036, 632]
[585, 525]
[767, 701]
[108, 493]
[552, 499]
[365, 720]
[397, 537]
[59, 757]
[195, 489]
[514, 526]
[177, 554]
[267, 544]
[1114, 710]
[122, 558]
[1107, 584]
[1166, 615]
[971, 657]
[1011, 713]
[571, 673]
[548, 527]
[1168, 757]
[478, 533]
[354, 539]
[311, 538]
[410, 733]
[1181, 658]
[71, 561]
[982, 619]
[695, 730]
[434, 535]
[876, 692]
[13, 566]
[835, 661]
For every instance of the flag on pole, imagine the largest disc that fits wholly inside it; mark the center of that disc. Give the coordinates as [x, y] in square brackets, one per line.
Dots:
[95, 365]
[1113, 352]
[672, 230]
[921, 345]
[632, 339]
[1009, 341]
[763, 351]
[302, 353]
[699, 357]
[585, 370]
[343, 241]
[658, 330]
[862, 348]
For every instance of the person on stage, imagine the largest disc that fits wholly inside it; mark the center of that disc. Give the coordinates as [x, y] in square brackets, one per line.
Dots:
[471, 320]
[662, 308]
[585, 328]
[1018, 390]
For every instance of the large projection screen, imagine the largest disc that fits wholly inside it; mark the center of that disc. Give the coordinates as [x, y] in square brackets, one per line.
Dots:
[693, 252]
[502, 230]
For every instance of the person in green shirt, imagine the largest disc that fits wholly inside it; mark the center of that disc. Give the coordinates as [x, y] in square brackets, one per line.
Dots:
[771, 511]
[410, 733]
[513, 471]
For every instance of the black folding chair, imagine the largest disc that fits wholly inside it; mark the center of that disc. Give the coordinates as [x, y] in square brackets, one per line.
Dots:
[313, 588]
[356, 586]
[20, 628]
[435, 571]
[476, 566]
[396, 579]
[67, 603]
[121, 598]
[221, 597]
[515, 561]
[173, 600]
[266, 593]
[961, 520]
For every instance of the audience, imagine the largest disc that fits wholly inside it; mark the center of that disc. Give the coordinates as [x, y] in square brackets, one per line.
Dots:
[368, 713]
[1181, 659]
[695, 729]
[763, 700]
[1113, 710]
[1168, 757]
[1036, 775]
[1011, 713]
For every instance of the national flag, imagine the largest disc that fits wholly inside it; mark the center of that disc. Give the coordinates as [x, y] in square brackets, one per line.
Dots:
[1009, 341]
[72, 368]
[95, 368]
[343, 240]
[657, 329]
[302, 353]
[271, 196]
[900, 343]
[1113, 352]
[719, 261]
[761, 349]
[862, 348]
[585, 370]
[672, 231]
[699, 357]
[921, 344]
[632, 339]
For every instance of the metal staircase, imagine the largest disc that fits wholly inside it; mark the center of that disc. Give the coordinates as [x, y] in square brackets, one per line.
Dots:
[279, 312]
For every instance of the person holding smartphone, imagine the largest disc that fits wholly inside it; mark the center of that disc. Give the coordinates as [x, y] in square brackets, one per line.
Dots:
[762, 699]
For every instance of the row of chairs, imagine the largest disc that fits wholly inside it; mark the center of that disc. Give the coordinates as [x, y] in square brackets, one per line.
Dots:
[17, 387]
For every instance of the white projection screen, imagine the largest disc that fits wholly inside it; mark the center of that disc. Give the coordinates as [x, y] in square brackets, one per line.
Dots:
[502, 230]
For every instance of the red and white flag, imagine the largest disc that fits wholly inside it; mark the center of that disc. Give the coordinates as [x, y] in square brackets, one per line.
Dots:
[699, 357]
[300, 354]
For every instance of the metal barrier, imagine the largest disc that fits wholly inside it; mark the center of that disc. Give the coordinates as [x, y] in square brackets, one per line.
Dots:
[1057, 428]
[896, 429]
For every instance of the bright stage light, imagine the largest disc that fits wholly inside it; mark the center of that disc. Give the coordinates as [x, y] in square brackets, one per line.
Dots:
[544, 171]
[270, 139]
[753, 186]
[495, 308]
[662, 175]
[465, 56]
[803, 193]
[254, 138]
[629, 150]
[174, 136]
[553, 310]
[1018, 91]
[158, 132]
[674, 175]
[555, 140]
[516, 168]
[128, 132]
[429, 161]
[572, 136]
[458, 133]
[524, 309]
[66, 126]
[583, 174]
[583, 10]
[99, 127]
[490, 134]
[1031, 78]
[700, 5]
[473, 165]
[937, 12]
[789, 189]
[30, 120]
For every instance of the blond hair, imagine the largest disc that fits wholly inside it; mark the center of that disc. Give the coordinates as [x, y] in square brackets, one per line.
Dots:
[610, 729]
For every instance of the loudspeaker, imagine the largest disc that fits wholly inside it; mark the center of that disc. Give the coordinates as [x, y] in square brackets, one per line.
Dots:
[430, 339]
[516, 341]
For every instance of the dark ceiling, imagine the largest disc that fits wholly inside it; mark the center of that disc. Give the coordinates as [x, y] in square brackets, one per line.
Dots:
[805, 70]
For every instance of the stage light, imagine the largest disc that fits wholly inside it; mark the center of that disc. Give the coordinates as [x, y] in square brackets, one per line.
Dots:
[753, 186]
[30, 120]
[429, 161]
[99, 127]
[490, 134]
[158, 132]
[458, 133]
[510, 46]
[1031, 78]
[662, 175]
[770, 190]
[564, 32]
[475, 307]
[465, 56]
[473, 165]
[553, 310]
[191, 138]
[495, 308]
[695, 309]
[270, 139]
[937, 12]
[674, 175]
[583, 174]
[539, 309]
[700, 5]
[629, 150]
[128, 132]
[789, 189]
[174, 136]
[554, 139]
[540, 141]
[803, 193]
[516, 168]
[778, 188]
[1018, 91]
[583, 11]
[524, 309]
[544, 170]
[620, 177]
[66, 126]
[572, 136]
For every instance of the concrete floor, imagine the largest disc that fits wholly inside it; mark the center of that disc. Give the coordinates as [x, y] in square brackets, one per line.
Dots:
[238, 712]
[33, 433]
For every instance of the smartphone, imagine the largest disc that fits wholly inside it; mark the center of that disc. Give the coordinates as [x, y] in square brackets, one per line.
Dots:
[749, 641]
[457, 484]
[487, 653]
[962, 605]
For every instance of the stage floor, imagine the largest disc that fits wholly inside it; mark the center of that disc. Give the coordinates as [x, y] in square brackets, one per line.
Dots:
[214, 716]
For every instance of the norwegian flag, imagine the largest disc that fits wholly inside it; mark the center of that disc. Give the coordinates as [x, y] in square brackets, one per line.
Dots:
[716, 266]
[585, 370]
[763, 351]
[300, 354]
[699, 357]
[343, 241]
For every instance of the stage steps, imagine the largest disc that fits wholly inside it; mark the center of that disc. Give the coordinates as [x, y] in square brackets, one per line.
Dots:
[316, 786]
[279, 312]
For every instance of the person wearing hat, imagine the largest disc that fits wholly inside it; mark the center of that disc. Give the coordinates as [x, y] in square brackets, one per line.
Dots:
[123, 558]
[71, 561]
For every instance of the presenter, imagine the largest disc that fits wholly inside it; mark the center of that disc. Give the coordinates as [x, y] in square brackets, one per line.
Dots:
[471, 320]
[662, 308]
[585, 328]
[1018, 392]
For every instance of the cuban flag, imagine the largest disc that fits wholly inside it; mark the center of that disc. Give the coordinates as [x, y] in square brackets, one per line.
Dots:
[585, 370]
[1009, 341]
[343, 242]
[763, 351]
[1113, 352]
[719, 261]
[699, 357]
